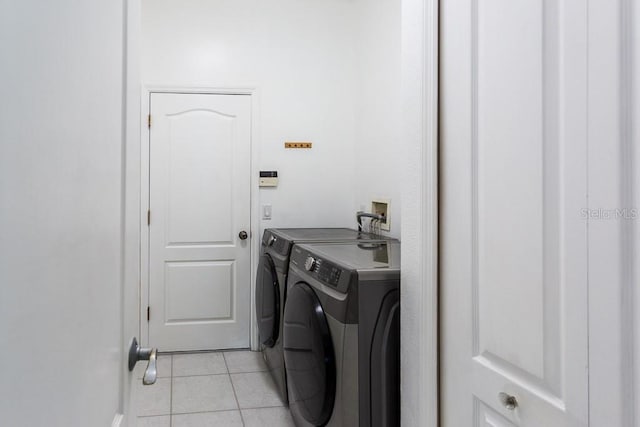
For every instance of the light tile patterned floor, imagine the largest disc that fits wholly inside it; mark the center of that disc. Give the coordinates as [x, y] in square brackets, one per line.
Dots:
[226, 389]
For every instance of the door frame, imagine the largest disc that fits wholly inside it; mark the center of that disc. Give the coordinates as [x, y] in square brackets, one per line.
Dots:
[419, 278]
[145, 102]
[614, 249]
[131, 188]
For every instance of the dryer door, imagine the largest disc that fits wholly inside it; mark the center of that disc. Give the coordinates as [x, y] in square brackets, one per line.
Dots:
[309, 355]
[267, 301]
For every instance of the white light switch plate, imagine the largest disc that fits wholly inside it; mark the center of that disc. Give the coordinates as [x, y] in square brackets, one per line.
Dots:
[266, 212]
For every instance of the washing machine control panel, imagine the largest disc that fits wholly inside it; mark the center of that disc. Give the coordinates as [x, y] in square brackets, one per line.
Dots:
[310, 263]
[324, 270]
[329, 273]
[320, 269]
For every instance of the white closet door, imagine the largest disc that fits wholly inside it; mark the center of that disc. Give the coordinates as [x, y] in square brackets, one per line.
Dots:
[514, 237]
[61, 179]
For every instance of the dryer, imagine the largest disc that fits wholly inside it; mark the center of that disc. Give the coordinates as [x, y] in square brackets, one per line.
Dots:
[271, 286]
[342, 334]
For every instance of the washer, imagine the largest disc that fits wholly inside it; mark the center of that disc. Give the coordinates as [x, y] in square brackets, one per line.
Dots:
[271, 286]
[342, 334]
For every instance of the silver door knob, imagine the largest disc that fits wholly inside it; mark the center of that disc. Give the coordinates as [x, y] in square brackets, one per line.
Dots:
[243, 235]
[137, 353]
[508, 401]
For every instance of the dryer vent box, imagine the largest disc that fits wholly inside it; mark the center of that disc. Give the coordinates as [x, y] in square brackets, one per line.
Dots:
[268, 178]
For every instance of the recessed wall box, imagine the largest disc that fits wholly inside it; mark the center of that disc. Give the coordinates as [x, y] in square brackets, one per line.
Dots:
[381, 207]
[268, 178]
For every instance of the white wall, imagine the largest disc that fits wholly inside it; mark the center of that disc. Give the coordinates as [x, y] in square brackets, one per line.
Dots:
[301, 57]
[378, 142]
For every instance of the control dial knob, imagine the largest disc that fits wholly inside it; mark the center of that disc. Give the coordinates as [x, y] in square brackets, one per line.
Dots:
[272, 240]
[310, 263]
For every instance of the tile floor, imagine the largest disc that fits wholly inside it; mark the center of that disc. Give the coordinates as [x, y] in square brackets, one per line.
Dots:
[226, 389]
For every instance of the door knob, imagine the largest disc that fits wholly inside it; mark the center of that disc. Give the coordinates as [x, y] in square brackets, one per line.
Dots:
[137, 353]
[508, 401]
[243, 235]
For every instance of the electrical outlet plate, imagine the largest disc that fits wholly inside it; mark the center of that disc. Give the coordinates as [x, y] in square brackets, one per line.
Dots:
[382, 207]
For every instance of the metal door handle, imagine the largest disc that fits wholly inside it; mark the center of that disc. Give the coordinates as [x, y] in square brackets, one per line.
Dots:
[508, 401]
[137, 353]
[151, 373]
[243, 235]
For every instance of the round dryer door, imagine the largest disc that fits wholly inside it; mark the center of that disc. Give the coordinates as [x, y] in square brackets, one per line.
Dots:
[309, 355]
[267, 301]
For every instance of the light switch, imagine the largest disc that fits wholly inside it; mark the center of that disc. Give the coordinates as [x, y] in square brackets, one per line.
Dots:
[266, 212]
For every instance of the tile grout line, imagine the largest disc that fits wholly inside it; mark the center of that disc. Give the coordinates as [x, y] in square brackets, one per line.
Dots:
[221, 410]
[242, 371]
[219, 373]
[201, 375]
[234, 389]
[206, 412]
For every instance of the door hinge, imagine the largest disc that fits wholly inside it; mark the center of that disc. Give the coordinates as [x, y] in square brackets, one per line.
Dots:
[149, 121]
[149, 217]
[148, 313]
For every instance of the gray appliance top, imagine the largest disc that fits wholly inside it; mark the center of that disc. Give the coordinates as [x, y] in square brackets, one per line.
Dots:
[359, 255]
[324, 234]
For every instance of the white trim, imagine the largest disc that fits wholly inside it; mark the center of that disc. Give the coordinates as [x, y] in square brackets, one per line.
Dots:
[634, 90]
[430, 313]
[144, 207]
[131, 255]
[629, 50]
[419, 315]
[628, 199]
[147, 89]
[613, 172]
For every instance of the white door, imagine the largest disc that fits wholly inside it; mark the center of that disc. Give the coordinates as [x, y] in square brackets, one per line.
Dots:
[199, 256]
[61, 141]
[513, 238]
